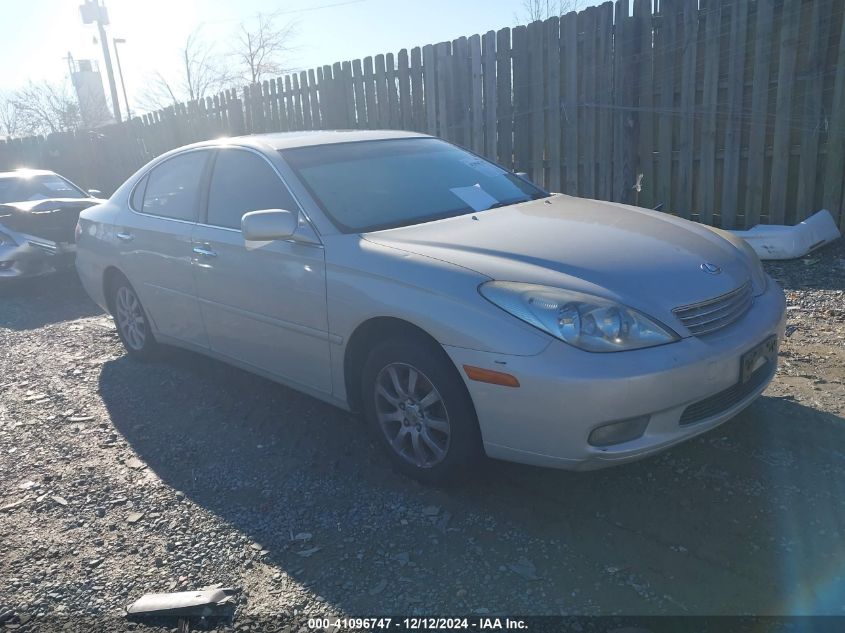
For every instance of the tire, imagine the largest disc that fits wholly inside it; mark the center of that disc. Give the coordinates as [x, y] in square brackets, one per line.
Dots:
[432, 434]
[131, 321]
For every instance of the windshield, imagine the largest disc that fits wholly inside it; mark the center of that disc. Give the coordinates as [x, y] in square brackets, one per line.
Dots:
[22, 188]
[372, 185]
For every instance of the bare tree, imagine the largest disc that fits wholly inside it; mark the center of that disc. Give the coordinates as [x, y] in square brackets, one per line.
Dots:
[533, 10]
[201, 72]
[9, 123]
[46, 107]
[261, 47]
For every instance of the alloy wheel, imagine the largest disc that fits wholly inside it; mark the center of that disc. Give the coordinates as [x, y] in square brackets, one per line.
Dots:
[412, 415]
[130, 318]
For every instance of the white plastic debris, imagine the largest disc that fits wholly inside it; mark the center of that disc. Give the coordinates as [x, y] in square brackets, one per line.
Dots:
[775, 241]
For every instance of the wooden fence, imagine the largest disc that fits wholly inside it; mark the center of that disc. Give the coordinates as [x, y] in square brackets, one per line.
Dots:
[730, 112]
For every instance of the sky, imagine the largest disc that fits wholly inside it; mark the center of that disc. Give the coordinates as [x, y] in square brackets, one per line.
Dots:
[36, 35]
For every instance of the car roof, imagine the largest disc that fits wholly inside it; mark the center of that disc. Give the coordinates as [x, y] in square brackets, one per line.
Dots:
[308, 138]
[26, 172]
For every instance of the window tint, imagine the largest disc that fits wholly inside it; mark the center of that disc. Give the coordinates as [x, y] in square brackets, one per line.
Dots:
[137, 201]
[173, 187]
[242, 182]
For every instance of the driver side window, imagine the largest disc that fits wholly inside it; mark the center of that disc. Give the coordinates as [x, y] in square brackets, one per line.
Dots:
[241, 182]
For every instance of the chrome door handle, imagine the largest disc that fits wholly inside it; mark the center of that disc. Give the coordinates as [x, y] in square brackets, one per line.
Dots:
[204, 252]
[125, 237]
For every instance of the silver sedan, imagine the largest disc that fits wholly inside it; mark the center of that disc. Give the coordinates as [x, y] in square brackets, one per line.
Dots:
[458, 307]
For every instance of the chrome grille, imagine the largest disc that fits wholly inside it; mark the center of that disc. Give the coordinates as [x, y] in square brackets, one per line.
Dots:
[714, 314]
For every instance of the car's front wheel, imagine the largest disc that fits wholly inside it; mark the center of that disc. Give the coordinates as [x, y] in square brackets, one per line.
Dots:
[133, 326]
[419, 408]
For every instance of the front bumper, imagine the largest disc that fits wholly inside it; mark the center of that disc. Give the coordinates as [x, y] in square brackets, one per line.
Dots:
[33, 256]
[565, 393]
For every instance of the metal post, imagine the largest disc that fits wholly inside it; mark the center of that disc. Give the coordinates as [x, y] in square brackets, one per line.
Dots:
[115, 42]
[112, 86]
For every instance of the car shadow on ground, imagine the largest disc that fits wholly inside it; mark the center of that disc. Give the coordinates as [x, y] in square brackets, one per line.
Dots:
[28, 304]
[745, 519]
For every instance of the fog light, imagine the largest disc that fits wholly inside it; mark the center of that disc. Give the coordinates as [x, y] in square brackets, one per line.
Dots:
[618, 432]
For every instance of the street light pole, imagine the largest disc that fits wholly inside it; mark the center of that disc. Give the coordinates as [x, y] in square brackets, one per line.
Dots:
[93, 11]
[115, 42]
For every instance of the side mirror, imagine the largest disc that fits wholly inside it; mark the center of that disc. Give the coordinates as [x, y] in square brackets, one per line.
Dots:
[268, 225]
[95, 192]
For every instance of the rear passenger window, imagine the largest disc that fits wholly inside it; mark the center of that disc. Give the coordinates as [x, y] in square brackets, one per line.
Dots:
[137, 201]
[173, 187]
[242, 182]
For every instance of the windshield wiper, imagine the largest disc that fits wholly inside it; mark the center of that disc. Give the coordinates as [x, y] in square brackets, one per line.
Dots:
[506, 203]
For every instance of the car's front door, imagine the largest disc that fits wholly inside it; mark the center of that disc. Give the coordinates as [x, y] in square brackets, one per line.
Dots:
[154, 239]
[263, 304]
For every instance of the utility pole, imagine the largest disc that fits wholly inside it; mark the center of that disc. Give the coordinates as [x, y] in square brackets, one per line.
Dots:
[115, 42]
[93, 11]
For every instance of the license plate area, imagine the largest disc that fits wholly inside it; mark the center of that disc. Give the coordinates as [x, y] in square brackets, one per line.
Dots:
[759, 355]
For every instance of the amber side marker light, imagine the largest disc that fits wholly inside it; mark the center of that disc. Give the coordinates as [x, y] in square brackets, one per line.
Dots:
[493, 377]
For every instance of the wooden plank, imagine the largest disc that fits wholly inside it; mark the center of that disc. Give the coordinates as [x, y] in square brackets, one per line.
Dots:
[667, 43]
[297, 103]
[358, 89]
[313, 99]
[551, 37]
[430, 82]
[404, 78]
[488, 70]
[536, 104]
[587, 125]
[274, 106]
[759, 110]
[338, 96]
[604, 98]
[476, 112]
[832, 199]
[569, 64]
[370, 94]
[441, 56]
[348, 95]
[504, 137]
[812, 117]
[790, 21]
[291, 112]
[459, 96]
[381, 93]
[392, 93]
[324, 98]
[686, 157]
[521, 104]
[706, 199]
[305, 96]
[417, 98]
[733, 129]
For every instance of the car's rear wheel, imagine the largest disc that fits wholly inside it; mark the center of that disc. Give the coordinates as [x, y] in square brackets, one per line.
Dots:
[130, 318]
[418, 407]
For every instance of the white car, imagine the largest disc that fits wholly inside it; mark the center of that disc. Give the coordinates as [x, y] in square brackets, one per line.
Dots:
[460, 308]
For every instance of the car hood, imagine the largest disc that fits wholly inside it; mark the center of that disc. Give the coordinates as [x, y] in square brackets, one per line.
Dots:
[646, 259]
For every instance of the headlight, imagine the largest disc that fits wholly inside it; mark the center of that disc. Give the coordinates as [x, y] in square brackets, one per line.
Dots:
[6, 240]
[585, 321]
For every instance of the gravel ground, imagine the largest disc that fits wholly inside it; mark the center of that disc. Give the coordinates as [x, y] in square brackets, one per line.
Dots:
[120, 479]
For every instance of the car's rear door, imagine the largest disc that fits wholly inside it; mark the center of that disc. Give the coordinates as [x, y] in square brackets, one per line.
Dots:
[154, 239]
[263, 304]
